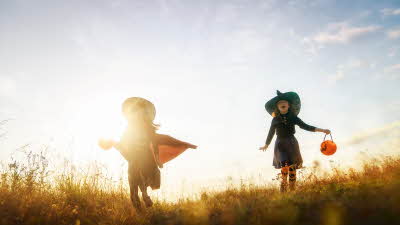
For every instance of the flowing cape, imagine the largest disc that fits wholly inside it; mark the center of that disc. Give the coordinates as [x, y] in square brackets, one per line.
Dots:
[169, 147]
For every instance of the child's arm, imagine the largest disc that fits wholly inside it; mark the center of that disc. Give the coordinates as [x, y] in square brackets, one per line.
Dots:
[116, 145]
[307, 127]
[271, 134]
[303, 125]
[326, 131]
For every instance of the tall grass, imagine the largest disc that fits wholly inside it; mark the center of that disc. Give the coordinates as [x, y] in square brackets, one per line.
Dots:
[32, 193]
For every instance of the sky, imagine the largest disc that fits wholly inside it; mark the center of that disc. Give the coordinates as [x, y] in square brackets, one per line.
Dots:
[209, 67]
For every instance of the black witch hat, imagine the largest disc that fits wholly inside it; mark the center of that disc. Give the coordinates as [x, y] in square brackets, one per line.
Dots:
[292, 97]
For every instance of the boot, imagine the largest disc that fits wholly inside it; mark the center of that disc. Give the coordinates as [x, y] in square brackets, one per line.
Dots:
[147, 201]
[283, 188]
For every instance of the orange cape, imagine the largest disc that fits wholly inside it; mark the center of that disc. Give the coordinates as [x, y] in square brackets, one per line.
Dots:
[169, 147]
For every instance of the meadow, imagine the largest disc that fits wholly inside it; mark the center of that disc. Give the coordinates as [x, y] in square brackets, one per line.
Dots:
[30, 193]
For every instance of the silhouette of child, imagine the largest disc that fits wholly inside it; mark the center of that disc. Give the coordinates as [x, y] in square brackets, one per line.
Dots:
[143, 148]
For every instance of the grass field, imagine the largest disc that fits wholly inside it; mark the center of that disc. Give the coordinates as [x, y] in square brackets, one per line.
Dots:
[367, 196]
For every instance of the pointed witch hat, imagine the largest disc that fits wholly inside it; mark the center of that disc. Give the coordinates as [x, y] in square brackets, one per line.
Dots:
[134, 103]
[292, 97]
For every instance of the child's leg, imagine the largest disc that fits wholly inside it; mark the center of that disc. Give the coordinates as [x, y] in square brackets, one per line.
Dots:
[292, 177]
[133, 185]
[145, 196]
[284, 177]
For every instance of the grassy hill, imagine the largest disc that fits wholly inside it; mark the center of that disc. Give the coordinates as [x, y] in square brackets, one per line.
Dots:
[367, 196]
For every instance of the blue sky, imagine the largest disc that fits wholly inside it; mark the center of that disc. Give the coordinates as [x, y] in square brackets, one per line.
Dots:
[209, 67]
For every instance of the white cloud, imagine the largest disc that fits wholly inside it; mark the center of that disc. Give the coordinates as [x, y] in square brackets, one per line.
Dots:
[390, 12]
[394, 33]
[392, 68]
[342, 69]
[392, 72]
[335, 33]
[311, 47]
[342, 33]
[377, 132]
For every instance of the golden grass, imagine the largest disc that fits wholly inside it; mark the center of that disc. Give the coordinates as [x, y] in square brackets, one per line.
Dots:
[29, 195]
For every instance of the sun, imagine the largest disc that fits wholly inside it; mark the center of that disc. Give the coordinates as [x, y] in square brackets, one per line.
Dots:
[95, 119]
[83, 121]
[105, 120]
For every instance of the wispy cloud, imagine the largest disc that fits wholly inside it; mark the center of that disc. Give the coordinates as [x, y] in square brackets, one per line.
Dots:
[393, 33]
[377, 132]
[390, 12]
[336, 33]
[342, 69]
[341, 33]
[392, 68]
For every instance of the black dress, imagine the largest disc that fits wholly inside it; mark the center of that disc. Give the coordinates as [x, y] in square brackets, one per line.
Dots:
[286, 150]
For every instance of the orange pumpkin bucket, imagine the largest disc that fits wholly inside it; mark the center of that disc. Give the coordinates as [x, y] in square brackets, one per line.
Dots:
[328, 147]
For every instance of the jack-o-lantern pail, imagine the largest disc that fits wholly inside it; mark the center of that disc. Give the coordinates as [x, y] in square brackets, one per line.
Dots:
[328, 147]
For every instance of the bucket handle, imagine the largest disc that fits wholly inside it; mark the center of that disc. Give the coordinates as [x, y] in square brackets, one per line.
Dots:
[330, 135]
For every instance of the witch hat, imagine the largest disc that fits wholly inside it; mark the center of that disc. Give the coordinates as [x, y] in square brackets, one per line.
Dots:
[135, 103]
[292, 97]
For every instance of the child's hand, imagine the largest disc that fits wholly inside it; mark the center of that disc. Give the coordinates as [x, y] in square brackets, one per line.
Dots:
[192, 146]
[263, 148]
[106, 144]
[326, 131]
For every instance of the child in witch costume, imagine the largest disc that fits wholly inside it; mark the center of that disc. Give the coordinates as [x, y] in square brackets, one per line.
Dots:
[284, 109]
[144, 149]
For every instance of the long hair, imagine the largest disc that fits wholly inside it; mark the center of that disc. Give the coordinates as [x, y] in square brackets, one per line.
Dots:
[149, 125]
[276, 112]
[153, 126]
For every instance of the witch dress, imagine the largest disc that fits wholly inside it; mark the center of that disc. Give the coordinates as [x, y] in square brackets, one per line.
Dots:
[135, 147]
[144, 149]
[286, 150]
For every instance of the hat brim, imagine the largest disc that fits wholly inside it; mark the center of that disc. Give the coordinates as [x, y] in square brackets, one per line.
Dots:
[292, 97]
[140, 103]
